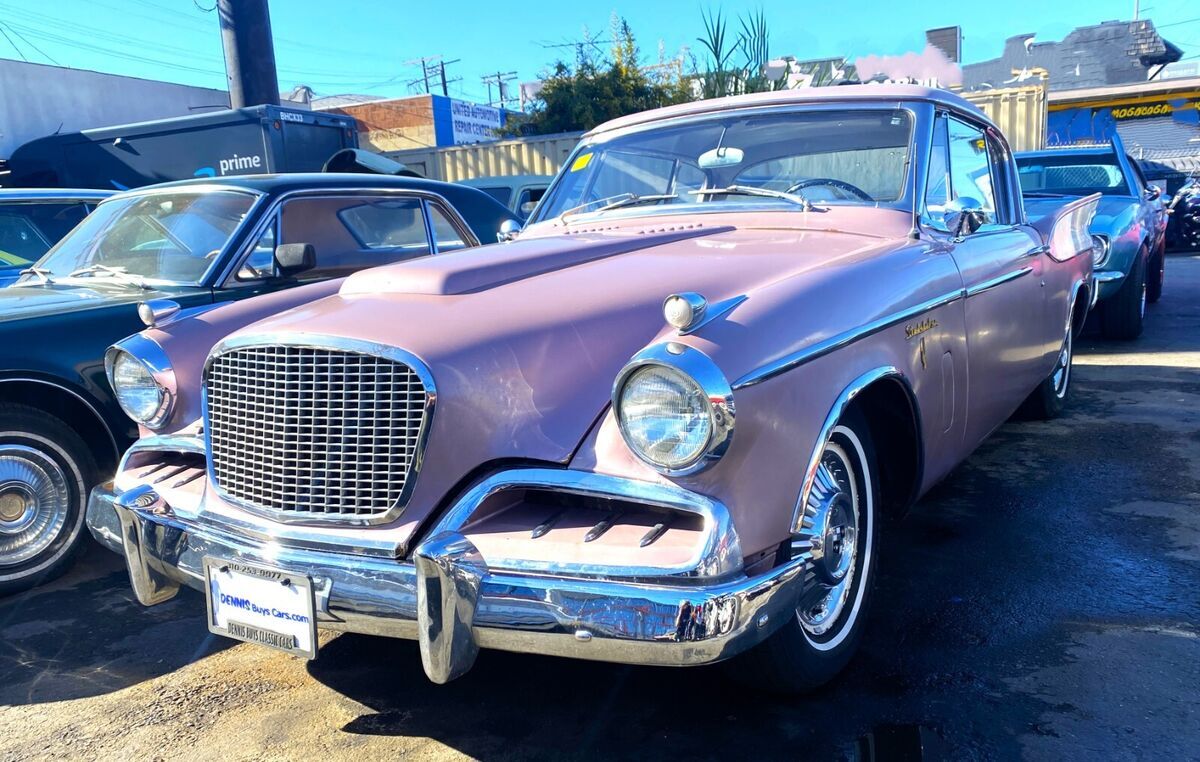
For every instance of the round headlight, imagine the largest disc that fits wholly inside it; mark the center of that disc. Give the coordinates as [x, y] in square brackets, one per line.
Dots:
[1099, 249]
[665, 417]
[139, 396]
[674, 408]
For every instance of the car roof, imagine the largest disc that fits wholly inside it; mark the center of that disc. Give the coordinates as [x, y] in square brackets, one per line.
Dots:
[53, 194]
[881, 93]
[283, 183]
[511, 181]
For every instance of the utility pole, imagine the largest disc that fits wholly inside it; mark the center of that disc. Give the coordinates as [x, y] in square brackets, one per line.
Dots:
[500, 80]
[249, 52]
[432, 68]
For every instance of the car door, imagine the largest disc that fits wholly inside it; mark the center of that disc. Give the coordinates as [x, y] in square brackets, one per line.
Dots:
[1001, 264]
[348, 232]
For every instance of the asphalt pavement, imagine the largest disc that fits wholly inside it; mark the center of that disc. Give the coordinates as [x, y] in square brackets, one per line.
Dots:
[1043, 602]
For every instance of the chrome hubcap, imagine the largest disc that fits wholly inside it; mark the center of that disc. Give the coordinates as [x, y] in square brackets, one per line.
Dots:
[831, 524]
[1062, 370]
[34, 503]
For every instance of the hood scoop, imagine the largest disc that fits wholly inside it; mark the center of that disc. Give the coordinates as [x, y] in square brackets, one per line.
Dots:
[487, 267]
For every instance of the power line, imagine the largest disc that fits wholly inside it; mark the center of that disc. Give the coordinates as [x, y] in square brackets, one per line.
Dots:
[14, 45]
[43, 53]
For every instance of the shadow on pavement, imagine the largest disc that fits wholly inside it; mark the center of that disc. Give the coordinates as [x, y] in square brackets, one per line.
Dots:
[85, 635]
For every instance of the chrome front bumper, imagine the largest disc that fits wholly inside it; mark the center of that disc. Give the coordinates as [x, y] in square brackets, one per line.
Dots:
[449, 600]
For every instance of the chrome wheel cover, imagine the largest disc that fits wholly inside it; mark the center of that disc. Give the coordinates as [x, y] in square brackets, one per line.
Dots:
[35, 501]
[1061, 377]
[834, 538]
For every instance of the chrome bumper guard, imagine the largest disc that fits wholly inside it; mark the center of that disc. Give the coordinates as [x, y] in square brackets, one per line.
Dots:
[452, 604]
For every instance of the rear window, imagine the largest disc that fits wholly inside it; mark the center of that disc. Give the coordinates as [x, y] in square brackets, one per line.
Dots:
[500, 193]
[1071, 175]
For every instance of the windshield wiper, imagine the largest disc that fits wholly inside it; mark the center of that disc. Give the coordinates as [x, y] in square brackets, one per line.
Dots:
[750, 190]
[114, 272]
[41, 272]
[1042, 194]
[618, 201]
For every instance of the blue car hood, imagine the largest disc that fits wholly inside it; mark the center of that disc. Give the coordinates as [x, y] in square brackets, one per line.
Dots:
[30, 301]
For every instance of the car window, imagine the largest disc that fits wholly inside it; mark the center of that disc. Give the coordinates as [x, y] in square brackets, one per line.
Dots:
[346, 233]
[20, 242]
[261, 261]
[937, 187]
[1072, 174]
[528, 200]
[445, 233]
[971, 167]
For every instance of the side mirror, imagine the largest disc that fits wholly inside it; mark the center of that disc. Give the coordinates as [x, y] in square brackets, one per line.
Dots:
[1153, 192]
[293, 258]
[509, 229]
[963, 216]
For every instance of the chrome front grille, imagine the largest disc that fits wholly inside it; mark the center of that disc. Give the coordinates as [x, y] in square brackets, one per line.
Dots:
[310, 433]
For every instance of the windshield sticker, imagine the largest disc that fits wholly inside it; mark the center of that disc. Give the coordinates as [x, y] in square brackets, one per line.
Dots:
[581, 162]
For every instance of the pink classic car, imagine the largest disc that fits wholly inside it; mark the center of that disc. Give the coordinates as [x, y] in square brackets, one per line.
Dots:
[662, 426]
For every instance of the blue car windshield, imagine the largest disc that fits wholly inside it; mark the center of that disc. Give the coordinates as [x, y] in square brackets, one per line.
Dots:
[158, 238]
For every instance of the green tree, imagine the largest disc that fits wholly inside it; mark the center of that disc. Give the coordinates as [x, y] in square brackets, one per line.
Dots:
[583, 96]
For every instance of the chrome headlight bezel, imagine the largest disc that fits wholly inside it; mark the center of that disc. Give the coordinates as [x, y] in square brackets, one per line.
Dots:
[157, 365]
[1100, 247]
[697, 369]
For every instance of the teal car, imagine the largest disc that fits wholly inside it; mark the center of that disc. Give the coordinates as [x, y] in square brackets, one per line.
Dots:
[1128, 231]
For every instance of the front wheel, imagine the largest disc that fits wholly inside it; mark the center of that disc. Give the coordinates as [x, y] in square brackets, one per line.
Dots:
[1158, 275]
[1125, 312]
[841, 533]
[45, 471]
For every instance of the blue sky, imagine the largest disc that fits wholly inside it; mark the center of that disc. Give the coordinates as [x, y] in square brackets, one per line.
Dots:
[370, 46]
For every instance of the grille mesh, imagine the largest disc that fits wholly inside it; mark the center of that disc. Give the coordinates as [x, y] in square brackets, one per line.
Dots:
[321, 432]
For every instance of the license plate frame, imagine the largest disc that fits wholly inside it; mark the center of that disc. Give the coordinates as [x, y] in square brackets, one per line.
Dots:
[258, 614]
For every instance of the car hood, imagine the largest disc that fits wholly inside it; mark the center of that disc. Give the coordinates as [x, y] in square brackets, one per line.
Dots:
[1108, 210]
[524, 340]
[30, 301]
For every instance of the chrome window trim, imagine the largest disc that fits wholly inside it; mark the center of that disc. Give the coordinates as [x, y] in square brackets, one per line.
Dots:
[719, 555]
[837, 341]
[152, 357]
[831, 421]
[699, 367]
[336, 192]
[336, 343]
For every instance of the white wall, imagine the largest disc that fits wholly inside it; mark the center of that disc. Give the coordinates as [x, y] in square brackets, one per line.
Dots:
[36, 99]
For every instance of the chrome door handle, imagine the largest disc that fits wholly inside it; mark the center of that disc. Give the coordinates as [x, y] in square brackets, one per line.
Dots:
[1036, 250]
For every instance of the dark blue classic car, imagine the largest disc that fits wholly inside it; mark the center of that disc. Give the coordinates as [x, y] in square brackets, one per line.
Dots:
[186, 245]
[1128, 231]
[33, 220]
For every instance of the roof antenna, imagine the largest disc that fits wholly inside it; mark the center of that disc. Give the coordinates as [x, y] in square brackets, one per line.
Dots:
[915, 232]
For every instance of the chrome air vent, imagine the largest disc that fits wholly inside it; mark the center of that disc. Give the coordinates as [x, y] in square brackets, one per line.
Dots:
[316, 433]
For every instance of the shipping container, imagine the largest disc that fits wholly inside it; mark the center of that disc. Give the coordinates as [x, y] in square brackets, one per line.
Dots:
[540, 155]
[1020, 112]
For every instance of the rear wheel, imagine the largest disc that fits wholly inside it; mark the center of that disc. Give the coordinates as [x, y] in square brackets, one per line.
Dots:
[1125, 312]
[1050, 397]
[45, 471]
[818, 640]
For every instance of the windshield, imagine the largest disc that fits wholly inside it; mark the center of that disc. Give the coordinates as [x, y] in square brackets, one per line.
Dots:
[151, 239]
[1079, 175]
[827, 157]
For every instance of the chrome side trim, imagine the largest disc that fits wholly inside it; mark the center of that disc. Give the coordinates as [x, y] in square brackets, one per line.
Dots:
[1108, 276]
[999, 280]
[337, 343]
[151, 355]
[86, 403]
[719, 555]
[711, 381]
[831, 420]
[837, 341]
[182, 443]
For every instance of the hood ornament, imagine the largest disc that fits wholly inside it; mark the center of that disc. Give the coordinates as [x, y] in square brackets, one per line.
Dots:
[688, 311]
